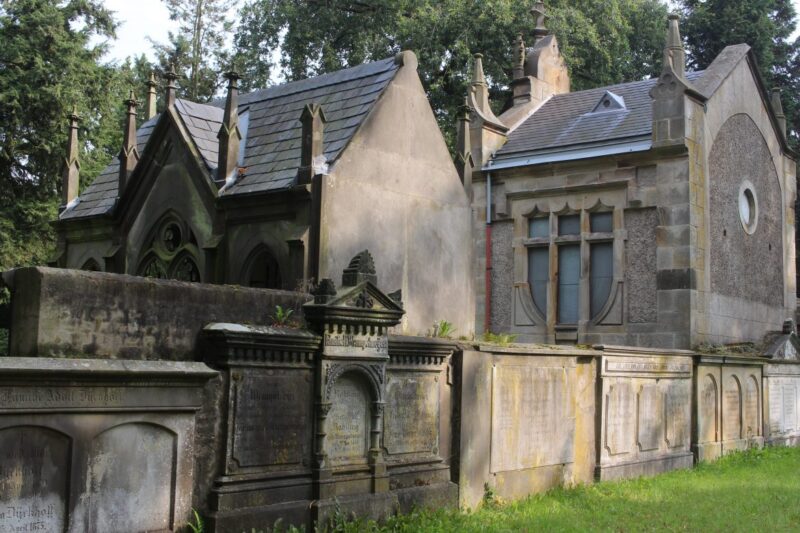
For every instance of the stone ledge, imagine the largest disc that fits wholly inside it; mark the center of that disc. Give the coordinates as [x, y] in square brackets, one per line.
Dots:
[644, 468]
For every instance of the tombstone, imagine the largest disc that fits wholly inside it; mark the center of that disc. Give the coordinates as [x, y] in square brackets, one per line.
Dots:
[97, 445]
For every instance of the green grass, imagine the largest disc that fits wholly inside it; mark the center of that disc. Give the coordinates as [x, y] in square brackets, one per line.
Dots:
[753, 491]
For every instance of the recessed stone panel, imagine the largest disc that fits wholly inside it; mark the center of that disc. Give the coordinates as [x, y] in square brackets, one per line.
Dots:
[708, 409]
[620, 417]
[348, 421]
[649, 426]
[411, 421]
[34, 477]
[533, 417]
[752, 407]
[677, 412]
[789, 419]
[130, 479]
[272, 418]
[731, 409]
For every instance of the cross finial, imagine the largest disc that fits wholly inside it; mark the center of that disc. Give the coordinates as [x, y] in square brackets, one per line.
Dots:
[540, 14]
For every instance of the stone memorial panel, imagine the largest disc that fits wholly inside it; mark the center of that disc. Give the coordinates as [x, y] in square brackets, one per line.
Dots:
[131, 476]
[620, 417]
[752, 406]
[776, 406]
[348, 421]
[272, 417]
[649, 417]
[731, 409]
[789, 406]
[533, 417]
[677, 399]
[34, 474]
[708, 410]
[411, 419]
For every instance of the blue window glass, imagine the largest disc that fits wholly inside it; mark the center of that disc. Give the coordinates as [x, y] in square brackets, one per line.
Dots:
[569, 276]
[602, 222]
[539, 227]
[538, 276]
[569, 225]
[601, 275]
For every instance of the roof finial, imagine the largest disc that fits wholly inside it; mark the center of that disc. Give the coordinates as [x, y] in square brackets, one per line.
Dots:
[129, 155]
[519, 58]
[150, 105]
[70, 176]
[777, 108]
[170, 76]
[312, 148]
[540, 14]
[478, 77]
[229, 135]
[464, 162]
[675, 45]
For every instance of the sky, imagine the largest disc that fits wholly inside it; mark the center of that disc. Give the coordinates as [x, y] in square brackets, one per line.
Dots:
[149, 18]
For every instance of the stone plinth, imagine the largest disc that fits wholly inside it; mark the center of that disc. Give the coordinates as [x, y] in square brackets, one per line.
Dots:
[728, 406]
[645, 412]
[782, 403]
[97, 445]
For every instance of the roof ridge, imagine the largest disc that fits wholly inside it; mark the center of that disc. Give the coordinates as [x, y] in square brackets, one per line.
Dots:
[247, 98]
[693, 73]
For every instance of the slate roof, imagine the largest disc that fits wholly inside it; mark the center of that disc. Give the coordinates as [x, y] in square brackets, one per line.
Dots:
[273, 131]
[566, 121]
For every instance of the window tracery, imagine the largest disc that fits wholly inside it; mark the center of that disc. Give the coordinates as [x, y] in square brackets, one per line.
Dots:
[172, 252]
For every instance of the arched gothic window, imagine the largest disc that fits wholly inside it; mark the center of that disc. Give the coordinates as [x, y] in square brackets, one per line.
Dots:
[172, 252]
[92, 266]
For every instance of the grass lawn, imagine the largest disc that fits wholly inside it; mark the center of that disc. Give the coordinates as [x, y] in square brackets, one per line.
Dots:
[754, 491]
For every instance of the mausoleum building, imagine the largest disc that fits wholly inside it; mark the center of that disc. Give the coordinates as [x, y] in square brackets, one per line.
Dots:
[280, 188]
[657, 213]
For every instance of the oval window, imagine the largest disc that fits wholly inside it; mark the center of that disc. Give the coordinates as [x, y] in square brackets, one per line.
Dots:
[748, 208]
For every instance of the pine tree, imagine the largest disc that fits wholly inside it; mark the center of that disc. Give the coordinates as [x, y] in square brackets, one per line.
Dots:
[197, 50]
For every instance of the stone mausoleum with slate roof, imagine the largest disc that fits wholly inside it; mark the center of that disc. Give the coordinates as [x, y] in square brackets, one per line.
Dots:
[280, 188]
[658, 213]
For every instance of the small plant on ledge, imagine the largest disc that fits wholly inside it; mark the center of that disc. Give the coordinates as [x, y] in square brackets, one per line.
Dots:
[283, 317]
[442, 329]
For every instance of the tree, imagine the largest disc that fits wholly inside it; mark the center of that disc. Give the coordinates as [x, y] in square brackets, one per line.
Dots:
[766, 25]
[318, 36]
[197, 49]
[48, 64]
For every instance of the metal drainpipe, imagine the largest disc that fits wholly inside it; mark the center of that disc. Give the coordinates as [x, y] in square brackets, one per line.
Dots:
[488, 274]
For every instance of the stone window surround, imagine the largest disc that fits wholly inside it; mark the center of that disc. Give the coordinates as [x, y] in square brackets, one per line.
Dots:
[159, 251]
[554, 206]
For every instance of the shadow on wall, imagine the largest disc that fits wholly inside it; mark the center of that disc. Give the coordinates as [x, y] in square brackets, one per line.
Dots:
[5, 323]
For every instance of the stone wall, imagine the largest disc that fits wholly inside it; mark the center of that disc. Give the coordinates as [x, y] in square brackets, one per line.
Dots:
[59, 312]
[729, 405]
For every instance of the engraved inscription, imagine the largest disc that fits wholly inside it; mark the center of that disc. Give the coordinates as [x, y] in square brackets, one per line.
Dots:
[708, 410]
[677, 405]
[533, 417]
[347, 422]
[775, 406]
[731, 409]
[25, 397]
[619, 418]
[411, 420]
[272, 418]
[667, 368]
[789, 407]
[33, 479]
[751, 407]
[648, 423]
[348, 344]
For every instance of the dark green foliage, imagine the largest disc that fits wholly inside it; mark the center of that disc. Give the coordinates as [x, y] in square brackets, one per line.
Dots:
[603, 42]
[47, 65]
[197, 49]
[766, 25]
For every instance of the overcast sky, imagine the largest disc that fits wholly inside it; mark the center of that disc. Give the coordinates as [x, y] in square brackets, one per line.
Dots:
[140, 19]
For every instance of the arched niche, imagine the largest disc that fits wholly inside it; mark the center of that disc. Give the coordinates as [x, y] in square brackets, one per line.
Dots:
[261, 269]
[348, 424]
[732, 409]
[708, 409]
[91, 265]
[752, 407]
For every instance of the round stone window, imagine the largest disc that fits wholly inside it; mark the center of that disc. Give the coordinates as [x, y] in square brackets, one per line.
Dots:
[748, 207]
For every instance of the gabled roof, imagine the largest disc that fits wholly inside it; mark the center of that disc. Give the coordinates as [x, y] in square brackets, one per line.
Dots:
[273, 131]
[565, 123]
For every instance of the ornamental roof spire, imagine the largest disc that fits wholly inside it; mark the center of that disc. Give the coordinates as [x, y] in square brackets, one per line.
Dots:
[539, 12]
